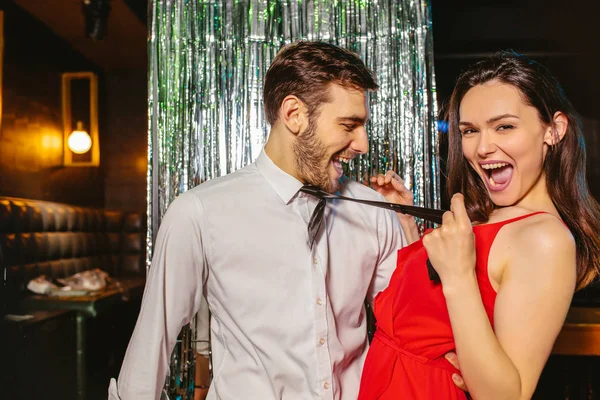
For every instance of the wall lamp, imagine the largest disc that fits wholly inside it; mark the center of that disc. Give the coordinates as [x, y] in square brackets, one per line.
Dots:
[80, 119]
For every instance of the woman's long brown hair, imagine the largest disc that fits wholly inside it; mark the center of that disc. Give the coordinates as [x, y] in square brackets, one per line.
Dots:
[564, 165]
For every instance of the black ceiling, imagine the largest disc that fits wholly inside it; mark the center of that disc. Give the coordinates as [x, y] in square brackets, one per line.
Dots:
[562, 34]
[139, 8]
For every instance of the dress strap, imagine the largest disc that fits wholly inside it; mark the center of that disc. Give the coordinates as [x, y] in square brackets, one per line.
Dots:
[515, 219]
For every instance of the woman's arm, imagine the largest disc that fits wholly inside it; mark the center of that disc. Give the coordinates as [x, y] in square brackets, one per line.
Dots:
[532, 302]
[535, 292]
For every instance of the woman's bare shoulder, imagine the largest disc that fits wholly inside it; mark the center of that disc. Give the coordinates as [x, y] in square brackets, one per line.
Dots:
[542, 243]
[533, 243]
[544, 228]
[544, 231]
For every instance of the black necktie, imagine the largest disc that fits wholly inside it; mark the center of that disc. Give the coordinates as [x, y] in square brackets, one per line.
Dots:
[316, 219]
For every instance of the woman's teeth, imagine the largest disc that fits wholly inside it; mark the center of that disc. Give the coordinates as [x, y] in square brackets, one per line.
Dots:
[493, 166]
[497, 173]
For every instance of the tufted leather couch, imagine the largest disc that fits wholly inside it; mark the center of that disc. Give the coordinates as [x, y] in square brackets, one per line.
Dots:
[58, 240]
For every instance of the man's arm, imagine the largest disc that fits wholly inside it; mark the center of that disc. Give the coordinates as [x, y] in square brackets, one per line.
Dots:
[390, 239]
[172, 296]
[392, 187]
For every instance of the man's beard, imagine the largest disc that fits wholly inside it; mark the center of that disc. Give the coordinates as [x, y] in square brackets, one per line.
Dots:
[312, 162]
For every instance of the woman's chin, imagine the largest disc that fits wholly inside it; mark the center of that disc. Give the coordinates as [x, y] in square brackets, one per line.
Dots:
[503, 199]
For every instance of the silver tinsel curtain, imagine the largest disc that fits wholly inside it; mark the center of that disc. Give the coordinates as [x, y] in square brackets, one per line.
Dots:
[207, 60]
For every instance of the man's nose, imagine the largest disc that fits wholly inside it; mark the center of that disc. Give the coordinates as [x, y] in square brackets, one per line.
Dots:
[360, 143]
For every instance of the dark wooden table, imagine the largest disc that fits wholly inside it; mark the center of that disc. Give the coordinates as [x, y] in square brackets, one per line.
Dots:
[30, 351]
[580, 336]
[120, 290]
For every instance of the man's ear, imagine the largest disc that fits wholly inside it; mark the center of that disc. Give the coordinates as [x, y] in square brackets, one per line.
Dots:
[294, 114]
[557, 129]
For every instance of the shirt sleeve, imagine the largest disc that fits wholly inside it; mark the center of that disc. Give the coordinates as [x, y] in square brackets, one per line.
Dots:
[390, 239]
[172, 295]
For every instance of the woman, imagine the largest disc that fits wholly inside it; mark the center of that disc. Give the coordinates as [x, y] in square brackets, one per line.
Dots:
[509, 254]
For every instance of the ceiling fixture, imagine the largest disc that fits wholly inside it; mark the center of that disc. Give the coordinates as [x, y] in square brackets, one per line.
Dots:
[96, 18]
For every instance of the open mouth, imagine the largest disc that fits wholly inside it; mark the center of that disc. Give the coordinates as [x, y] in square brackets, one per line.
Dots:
[498, 175]
[337, 161]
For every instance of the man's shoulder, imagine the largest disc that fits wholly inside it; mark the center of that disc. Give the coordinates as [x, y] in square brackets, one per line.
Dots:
[209, 194]
[226, 185]
[358, 190]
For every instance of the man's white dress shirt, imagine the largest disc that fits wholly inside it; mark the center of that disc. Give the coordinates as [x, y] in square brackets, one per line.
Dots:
[287, 322]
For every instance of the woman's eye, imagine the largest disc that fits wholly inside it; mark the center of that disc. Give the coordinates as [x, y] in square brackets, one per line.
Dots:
[467, 131]
[505, 127]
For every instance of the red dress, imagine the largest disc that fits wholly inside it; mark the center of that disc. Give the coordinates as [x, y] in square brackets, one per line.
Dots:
[406, 358]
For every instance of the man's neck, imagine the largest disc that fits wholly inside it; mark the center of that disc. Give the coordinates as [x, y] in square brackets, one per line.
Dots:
[279, 150]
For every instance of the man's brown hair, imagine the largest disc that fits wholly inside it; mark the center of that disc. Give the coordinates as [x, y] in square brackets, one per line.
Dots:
[305, 69]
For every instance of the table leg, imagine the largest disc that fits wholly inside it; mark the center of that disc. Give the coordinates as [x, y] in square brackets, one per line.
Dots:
[80, 363]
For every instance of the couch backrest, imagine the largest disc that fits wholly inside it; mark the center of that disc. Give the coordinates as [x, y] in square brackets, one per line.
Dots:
[58, 240]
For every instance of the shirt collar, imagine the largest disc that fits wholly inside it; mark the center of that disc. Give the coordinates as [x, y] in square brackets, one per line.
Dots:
[283, 183]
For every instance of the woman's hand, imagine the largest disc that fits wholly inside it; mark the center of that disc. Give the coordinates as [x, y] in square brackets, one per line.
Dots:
[451, 247]
[392, 187]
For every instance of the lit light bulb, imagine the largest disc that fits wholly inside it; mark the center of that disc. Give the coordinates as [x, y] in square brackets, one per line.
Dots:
[79, 141]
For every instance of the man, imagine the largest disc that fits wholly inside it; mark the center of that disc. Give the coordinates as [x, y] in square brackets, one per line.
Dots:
[288, 320]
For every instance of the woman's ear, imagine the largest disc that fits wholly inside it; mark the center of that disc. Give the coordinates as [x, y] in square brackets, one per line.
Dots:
[557, 129]
[294, 114]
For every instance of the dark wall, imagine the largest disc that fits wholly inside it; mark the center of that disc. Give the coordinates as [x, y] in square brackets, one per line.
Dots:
[31, 127]
[561, 34]
[124, 141]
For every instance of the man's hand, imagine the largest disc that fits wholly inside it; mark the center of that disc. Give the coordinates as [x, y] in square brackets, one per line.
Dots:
[458, 380]
[392, 187]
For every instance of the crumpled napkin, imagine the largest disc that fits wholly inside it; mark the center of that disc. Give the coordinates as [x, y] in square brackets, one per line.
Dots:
[84, 281]
[93, 279]
[41, 285]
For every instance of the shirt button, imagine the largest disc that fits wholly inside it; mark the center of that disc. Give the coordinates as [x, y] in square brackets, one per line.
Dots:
[315, 261]
[319, 301]
[326, 385]
[322, 341]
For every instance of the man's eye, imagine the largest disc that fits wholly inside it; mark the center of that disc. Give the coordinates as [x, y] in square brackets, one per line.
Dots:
[349, 127]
